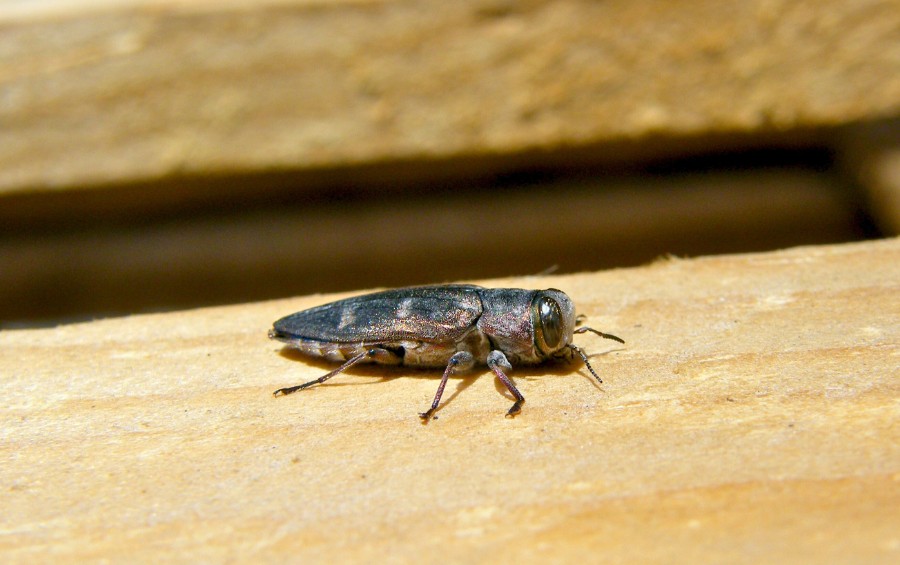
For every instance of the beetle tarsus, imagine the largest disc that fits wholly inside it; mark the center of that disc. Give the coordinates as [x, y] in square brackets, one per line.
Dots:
[516, 408]
[288, 390]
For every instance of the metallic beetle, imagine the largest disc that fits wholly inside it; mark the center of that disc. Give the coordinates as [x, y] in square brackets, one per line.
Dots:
[450, 326]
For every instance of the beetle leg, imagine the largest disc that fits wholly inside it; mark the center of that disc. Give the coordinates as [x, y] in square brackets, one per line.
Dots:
[497, 362]
[461, 361]
[373, 353]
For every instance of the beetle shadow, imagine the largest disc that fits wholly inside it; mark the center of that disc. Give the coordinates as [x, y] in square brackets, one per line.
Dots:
[558, 368]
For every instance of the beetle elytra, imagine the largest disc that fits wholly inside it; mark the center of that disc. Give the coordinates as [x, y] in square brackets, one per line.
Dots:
[449, 326]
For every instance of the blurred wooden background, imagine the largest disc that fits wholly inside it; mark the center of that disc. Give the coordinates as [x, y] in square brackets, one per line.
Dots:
[166, 154]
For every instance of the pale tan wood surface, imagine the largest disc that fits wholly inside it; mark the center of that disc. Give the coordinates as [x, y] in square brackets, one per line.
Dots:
[752, 416]
[110, 92]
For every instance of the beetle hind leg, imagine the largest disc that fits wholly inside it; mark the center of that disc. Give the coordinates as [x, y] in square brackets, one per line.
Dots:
[376, 353]
[461, 361]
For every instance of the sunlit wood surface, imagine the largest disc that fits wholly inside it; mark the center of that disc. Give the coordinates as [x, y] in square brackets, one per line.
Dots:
[751, 417]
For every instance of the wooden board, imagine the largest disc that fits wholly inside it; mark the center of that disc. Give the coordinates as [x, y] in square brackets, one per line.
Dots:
[751, 417]
[118, 92]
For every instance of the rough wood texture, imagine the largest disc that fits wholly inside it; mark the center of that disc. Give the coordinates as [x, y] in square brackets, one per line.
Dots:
[752, 417]
[118, 92]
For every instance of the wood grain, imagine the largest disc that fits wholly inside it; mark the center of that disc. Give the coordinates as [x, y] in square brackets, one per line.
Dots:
[751, 417]
[111, 93]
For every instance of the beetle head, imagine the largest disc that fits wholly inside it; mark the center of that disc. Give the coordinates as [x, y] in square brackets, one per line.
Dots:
[553, 318]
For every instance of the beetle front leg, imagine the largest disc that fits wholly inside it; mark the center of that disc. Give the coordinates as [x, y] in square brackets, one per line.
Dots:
[497, 362]
[373, 353]
[461, 361]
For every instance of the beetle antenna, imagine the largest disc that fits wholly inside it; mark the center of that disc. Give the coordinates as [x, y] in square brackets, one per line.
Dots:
[579, 319]
[587, 363]
[601, 334]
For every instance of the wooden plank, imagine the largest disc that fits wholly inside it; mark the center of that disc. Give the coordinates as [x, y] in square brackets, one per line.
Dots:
[124, 92]
[751, 417]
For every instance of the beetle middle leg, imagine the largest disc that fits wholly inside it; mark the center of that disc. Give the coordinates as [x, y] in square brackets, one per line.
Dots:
[461, 361]
[373, 353]
[497, 362]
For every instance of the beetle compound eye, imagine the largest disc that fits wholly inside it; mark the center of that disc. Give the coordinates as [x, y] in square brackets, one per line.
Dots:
[551, 322]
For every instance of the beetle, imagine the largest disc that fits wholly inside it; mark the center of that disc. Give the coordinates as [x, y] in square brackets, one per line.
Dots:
[452, 326]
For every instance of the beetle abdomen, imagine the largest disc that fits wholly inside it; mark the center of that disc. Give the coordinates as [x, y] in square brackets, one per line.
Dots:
[336, 352]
